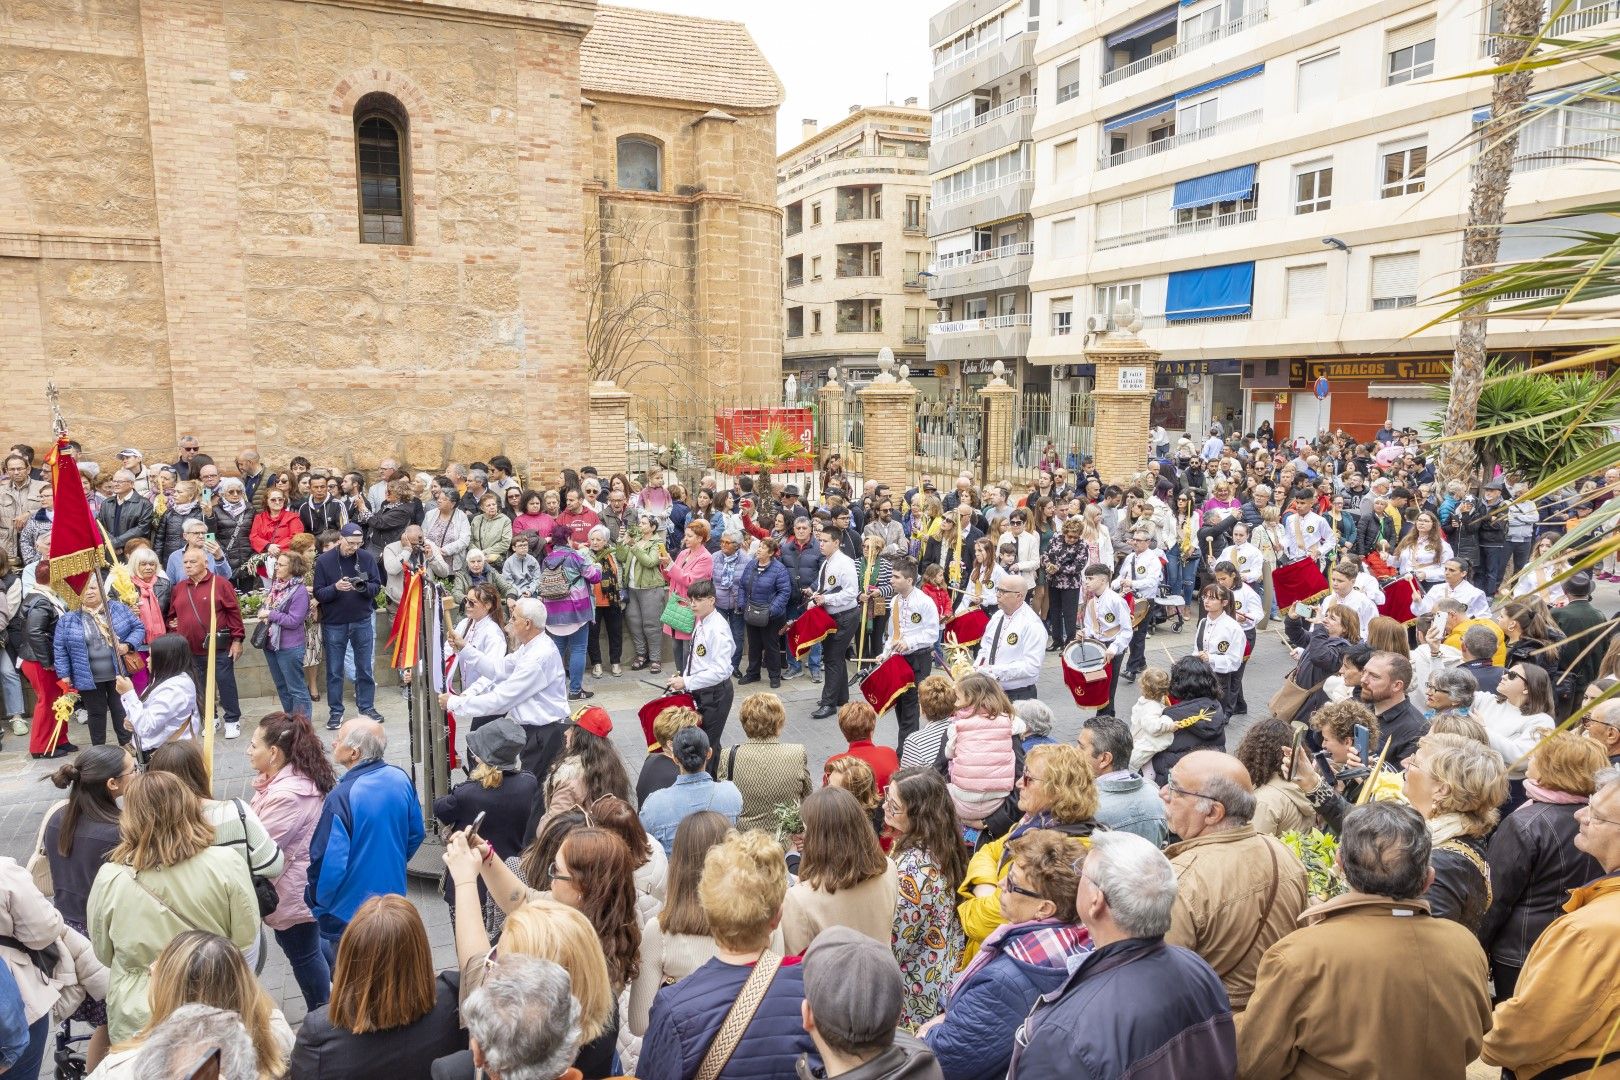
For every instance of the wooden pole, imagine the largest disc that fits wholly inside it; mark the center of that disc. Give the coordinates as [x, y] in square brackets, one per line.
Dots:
[212, 682]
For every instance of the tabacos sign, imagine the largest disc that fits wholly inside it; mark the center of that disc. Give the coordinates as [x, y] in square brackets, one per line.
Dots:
[1305, 373]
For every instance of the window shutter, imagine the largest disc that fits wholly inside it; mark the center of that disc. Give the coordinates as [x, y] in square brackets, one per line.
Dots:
[1403, 37]
[1063, 237]
[1318, 81]
[1307, 290]
[1394, 275]
[1108, 220]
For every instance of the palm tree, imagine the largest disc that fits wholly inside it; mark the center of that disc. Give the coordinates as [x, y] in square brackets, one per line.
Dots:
[766, 452]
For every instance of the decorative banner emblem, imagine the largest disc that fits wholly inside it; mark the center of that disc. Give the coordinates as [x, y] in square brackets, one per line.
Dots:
[1109, 616]
[829, 582]
[1222, 647]
[916, 616]
[1012, 639]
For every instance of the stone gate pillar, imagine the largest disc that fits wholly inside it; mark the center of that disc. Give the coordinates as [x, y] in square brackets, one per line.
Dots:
[1122, 397]
[831, 417]
[889, 418]
[610, 409]
[1000, 422]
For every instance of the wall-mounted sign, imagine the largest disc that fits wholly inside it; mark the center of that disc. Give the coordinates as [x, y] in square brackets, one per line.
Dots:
[1133, 378]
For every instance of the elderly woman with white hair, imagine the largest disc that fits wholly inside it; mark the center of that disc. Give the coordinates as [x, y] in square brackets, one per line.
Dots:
[609, 597]
[476, 570]
[1037, 717]
[230, 519]
[524, 1020]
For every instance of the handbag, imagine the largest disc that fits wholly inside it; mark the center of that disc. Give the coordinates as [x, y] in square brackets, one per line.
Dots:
[1290, 698]
[677, 616]
[264, 890]
[261, 635]
[39, 864]
[741, 1015]
[756, 614]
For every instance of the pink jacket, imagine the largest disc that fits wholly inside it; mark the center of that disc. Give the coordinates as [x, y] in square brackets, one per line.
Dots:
[692, 564]
[289, 805]
[982, 754]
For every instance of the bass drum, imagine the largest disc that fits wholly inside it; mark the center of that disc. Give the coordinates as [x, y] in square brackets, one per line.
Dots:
[1086, 673]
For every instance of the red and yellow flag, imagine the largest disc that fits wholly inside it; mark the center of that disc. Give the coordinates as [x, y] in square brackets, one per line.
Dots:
[76, 544]
[405, 635]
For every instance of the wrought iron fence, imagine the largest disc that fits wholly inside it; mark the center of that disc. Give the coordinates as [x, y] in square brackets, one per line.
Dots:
[689, 439]
[1050, 429]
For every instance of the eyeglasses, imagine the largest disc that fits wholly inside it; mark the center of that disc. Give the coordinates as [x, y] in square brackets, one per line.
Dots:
[1013, 887]
[1176, 788]
[1593, 815]
[1030, 778]
[1588, 721]
[555, 876]
[1511, 674]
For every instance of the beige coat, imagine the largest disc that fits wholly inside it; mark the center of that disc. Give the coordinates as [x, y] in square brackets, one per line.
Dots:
[29, 917]
[1279, 807]
[1222, 882]
[868, 907]
[1368, 987]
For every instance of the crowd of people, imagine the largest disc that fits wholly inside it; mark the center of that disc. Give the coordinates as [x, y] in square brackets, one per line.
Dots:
[1405, 866]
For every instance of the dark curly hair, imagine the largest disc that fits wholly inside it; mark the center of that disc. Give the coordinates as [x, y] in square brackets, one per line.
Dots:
[603, 768]
[600, 865]
[294, 736]
[1191, 678]
[1262, 749]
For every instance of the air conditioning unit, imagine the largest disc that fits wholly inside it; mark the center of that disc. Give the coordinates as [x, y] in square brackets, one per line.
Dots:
[1097, 324]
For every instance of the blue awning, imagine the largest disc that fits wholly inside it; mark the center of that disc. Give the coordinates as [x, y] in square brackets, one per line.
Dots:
[1144, 113]
[1210, 293]
[1549, 99]
[1216, 187]
[1157, 21]
[1224, 80]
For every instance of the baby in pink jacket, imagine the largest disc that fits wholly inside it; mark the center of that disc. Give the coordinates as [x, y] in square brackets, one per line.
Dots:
[979, 747]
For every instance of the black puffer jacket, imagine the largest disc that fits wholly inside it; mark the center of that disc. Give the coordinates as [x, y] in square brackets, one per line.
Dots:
[234, 534]
[1208, 732]
[169, 531]
[1534, 864]
[39, 622]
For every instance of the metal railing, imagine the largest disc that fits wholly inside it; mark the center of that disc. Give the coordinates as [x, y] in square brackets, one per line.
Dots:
[852, 213]
[1023, 176]
[1159, 322]
[1050, 428]
[856, 272]
[794, 228]
[1582, 18]
[1591, 150]
[1136, 153]
[957, 63]
[1180, 228]
[914, 337]
[1181, 48]
[1006, 108]
[795, 279]
[959, 259]
[970, 326]
[914, 279]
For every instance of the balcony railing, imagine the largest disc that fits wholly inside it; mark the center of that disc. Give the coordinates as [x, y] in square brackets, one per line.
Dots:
[794, 228]
[913, 337]
[795, 332]
[1024, 176]
[916, 228]
[852, 213]
[1006, 108]
[1181, 48]
[969, 326]
[856, 326]
[1602, 149]
[1136, 153]
[914, 279]
[1159, 322]
[1180, 228]
[957, 63]
[1527, 294]
[971, 258]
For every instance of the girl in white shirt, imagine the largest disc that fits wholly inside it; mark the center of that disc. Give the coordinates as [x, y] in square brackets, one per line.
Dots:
[484, 630]
[1540, 579]
[1423, 551]
[1220, 641]
[1243, 555]
[167, 711]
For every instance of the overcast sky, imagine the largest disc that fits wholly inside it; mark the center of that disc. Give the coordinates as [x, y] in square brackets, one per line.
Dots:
[830, 54]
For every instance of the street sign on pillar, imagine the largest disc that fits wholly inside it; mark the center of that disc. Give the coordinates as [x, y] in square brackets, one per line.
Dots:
[1321, 387]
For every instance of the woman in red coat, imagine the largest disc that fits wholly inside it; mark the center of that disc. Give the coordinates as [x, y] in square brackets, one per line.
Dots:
[273, 526]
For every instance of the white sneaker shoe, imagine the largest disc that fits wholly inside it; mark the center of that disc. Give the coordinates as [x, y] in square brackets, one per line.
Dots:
[233, 731]
[19, 726]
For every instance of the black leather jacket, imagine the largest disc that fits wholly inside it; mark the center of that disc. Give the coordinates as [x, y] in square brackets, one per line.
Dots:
[1534, 864]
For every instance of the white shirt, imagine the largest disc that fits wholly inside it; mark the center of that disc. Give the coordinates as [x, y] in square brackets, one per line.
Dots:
[1357, 603]
[169, 706]
[1106, 619]
[1244, 556]
[483, 659]
[1223, 639]
[532, 687]
[709, 653]
[1248, 606]
[918, 620]
[1367, 586]
[1315, 538]
[1479, 605]
[1419, 560]
[839, 586]
[1018, 643]
[1140, 574]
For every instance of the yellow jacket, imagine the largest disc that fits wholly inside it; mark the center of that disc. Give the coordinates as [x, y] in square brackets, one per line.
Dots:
[981, 914]
[1567, 1001]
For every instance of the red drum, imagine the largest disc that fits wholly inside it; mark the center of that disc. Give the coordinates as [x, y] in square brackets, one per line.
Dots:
[1086, 672]
[1248, 645]
[1297, 582]
[967, 629]
[884, 684]
[649, 712]
[1398, 598]
[809, 630]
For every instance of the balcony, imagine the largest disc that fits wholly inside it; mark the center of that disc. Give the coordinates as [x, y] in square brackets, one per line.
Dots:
[979, 339]
[914, 337]
[1170, 142]
[855, 270]
[1604, 149]
[914, 279]
[1158, 322]
[793, 281]
[1003, 197]
[1006, 125]
[982, 66]
[1182, 48]
[977, 271]
[1184, 228]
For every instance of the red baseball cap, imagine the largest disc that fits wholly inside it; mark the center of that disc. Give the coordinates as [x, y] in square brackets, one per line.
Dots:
[594, 719]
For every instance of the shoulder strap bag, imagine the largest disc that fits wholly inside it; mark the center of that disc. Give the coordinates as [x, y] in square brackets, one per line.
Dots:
[1265, 913]
[135, 876]
[264, 890]
[39, 864]
[741, 1015]
[1291, 697]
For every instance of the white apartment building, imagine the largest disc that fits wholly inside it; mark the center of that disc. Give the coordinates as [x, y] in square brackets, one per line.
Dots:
[1277, 186]
[854, 199]
[981, 166]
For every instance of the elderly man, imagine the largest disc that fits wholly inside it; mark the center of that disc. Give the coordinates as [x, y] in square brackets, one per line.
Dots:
[1478, 656]
[415, 550]
[1014, 644]
[836, 594]
[19, 499]
[347, 581]
[387, 472]
[189, 448]
[522, 1022]
[1126, 800]
[1237, 891]
[529, 685]
[251, 471]
[190, 599]
[1602, 726]
[1372, 984]
[127, 515]
[852, 998]
[1384, 682]
[208, 477]
[194, 536]
[370, 826]
[1135, 997]
[1564, 1010]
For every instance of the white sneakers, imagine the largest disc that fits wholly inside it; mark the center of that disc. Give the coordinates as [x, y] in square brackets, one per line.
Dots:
[233, 731]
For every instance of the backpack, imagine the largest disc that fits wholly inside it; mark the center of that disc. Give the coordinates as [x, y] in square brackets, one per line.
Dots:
[556, 582]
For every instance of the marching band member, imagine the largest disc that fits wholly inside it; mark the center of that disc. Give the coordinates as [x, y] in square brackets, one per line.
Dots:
[839, 595]
[1249, 612]
[1243, 555]
[913, 632]
[1456, 587]
[1422, 553]
[1139, 575]
[1306, 534]
[1015, 642]
[1365, 583]
[707, 674]
[1342, 581]
[1106, 619]
[1219, 641]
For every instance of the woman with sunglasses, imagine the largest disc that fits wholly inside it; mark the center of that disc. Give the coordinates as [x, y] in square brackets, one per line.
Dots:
[1515, 718]
[274, 525]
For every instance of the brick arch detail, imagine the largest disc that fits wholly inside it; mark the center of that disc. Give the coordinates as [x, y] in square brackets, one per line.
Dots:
[356, 85]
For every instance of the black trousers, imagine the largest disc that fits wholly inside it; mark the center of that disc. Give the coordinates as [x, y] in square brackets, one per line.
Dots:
[542, 743]
[1023, 693]
[610, 618]
[907, 710]
[1115, 666]
[765, 646]
[714, 705]
[98, 703]
[1061, 615]
[1492, 567]
[835, 682]
[1239, 702]
[1138, 651]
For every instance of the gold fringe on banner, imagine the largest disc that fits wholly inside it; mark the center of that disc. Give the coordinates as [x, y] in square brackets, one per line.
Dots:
[80, 562]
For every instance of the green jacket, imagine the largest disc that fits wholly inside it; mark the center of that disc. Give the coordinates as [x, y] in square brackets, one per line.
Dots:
[639, 560]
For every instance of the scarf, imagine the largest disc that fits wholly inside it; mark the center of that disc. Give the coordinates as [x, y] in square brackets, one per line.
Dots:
[150, 611]
[1447, 826]
[1548, 795]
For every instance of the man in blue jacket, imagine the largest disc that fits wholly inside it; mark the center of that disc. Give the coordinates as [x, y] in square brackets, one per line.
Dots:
[370, 826]
[1134, 1005]
[347, 581]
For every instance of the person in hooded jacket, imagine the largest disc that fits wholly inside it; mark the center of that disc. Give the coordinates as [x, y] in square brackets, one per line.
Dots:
[1195, 706]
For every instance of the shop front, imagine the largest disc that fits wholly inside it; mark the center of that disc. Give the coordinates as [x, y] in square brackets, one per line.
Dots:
[1362, 394]
[1191, 394]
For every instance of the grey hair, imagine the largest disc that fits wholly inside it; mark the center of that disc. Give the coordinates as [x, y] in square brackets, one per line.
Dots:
[1605, 779]
[1237, 800]
[1458, 684]
[181, 1042]
[1111, 735]
[1136, 880]
[371, 744]
[531, 609]
[599, 531]
[231, 483]
[1479, 643]
[479, 475]
[92, 469]
[525, 1019]
[142, 556]
[201, 526]
[425, 479]
[1036, 715]
[734, 535]
[470, 552]
[1384, 848]
[124, 474]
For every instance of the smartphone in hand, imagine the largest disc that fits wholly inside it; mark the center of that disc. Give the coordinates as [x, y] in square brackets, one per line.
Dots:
[477, 824]
[1361, 736]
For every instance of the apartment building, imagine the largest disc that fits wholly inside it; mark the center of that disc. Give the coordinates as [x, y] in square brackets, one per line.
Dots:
[982, 171]
[1279, 188]
[854, 199]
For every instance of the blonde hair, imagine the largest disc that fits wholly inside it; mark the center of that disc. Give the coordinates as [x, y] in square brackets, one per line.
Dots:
[187, 491]
[744, 881]
[202, 968]
[856, 777]
[1155, 684]
[1475, 777]
[1385, 634]
[162, 823]
[762, 716]
[1066, 780]
[671, 720]
[983, 695]
[551, 930]
[1450, 722]
[486, 775]
[1569, 762]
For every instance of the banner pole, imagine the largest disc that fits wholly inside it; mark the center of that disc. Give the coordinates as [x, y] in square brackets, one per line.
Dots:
[211, 681]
